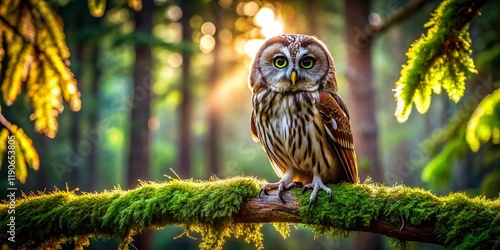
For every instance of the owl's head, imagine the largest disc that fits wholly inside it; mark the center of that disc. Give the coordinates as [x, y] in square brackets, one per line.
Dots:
[290, 63]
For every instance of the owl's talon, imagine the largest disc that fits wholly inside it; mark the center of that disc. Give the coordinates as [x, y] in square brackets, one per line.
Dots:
[280, 194]
[316, 185]
[260, 192]
[310, 203]
[304, 189]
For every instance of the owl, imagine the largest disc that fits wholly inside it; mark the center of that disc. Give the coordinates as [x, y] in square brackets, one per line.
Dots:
[298, 116]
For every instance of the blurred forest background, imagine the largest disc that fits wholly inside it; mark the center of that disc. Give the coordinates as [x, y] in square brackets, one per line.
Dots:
[164, 89]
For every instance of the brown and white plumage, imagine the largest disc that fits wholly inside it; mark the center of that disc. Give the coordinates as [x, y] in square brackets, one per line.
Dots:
[298, 117]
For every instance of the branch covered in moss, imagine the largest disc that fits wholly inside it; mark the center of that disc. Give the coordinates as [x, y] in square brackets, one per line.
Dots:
[439, 60]
[220, 209]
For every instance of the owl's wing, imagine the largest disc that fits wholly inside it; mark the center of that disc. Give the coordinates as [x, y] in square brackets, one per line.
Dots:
[335, 118]
[253, 129]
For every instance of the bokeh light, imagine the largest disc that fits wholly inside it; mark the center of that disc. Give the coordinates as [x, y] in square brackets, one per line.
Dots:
[153, 123]
[250, 8]
[174, 60]
[207, 43]
[269, 26]
[208, 28]
[173, 13]
[264, 17]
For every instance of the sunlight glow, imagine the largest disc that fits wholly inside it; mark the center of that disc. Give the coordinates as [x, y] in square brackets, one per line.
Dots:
[250, 8]
[225, 36]
[173, 33]
[226, 87]
[264, 17]
[270, 27]
[208, 28]
[55, 91]
[71, 89]
[55, 101]
[252, 46]
[207, 43]
[206, 58]
[173, 13]
[174, 60]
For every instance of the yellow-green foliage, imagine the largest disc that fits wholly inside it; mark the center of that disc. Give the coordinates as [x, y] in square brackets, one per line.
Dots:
[48, 220]
[34, 50]
[439, 60]
[97, 7]
[484, 124]
[22, 153]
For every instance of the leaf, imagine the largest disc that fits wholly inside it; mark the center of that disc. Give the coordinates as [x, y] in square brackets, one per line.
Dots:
[97, 7]
[33, 52]
[135, 4]
[484, 124]
[14, 142]
[4, 133]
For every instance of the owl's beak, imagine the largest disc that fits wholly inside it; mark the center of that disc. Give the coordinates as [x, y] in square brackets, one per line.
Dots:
[293, 76]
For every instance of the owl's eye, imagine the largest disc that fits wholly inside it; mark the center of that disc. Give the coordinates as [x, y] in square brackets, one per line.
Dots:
[307, 62]
[280, 62]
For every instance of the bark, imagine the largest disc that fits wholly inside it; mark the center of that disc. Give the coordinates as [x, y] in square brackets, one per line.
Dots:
[361, 89]
[140, 136]
[214, 115]
[185, 107]
[93, 118]
[76, 117]
[257, 210]
[213, 207]
[140, 110]
[361, 93]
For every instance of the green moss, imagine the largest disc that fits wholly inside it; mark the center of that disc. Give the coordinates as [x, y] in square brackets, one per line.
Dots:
[439, 60]
[460, 222]
[49, 220]
[205, 207]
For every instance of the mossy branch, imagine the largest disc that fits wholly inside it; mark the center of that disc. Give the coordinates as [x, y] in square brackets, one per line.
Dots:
[219, 209]
[439, 60]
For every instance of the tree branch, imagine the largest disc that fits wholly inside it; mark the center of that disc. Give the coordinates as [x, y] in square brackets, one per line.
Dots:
[222, 208]
[270, 208]
[396, 18]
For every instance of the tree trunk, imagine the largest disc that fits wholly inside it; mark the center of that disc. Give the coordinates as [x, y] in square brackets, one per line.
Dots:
[138, 167]
[185, 107]
[362, 100]
[361, 88]
[93, 118]
[76, 117]
[214, 116]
